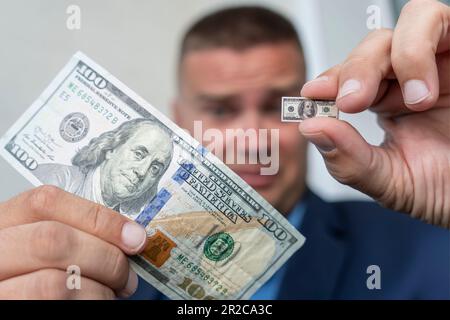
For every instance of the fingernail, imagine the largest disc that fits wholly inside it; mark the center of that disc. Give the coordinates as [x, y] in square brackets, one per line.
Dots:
[350, 86]
[131, 285]
[133, 235]
[319, 79]
[322, 142]
[415, 91]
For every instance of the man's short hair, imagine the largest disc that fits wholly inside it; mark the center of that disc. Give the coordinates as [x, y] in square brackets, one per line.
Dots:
[239, 28]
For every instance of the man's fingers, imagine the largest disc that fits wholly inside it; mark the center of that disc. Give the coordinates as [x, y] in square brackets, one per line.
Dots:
[420, 30]
[49, 244]
[52, 203]
[325, 86]
[391, 103]
[390, 106]
[52, 284]
[348, 157]
[363, 71]
[357, 82]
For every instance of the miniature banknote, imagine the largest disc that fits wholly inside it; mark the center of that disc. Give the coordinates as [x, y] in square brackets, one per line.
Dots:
[296, 109]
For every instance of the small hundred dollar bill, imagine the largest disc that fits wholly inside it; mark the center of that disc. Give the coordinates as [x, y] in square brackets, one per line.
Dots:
[211, 236]
[296, 109]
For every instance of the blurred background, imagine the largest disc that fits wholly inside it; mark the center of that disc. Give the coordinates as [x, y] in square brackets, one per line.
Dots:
[138, 41]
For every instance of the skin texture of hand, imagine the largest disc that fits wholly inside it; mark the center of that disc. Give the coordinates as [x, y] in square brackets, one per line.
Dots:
[404, 75]
[46, 230]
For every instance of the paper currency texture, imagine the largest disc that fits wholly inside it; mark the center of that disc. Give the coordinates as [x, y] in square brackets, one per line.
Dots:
[296, 109]
[211, 236]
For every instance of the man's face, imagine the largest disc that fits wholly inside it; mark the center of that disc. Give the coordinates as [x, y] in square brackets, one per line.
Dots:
[308, 109]
[228, 89]
[136, 165]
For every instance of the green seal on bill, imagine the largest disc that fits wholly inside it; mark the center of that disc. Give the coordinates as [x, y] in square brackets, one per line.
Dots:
[326, 109]
[218, 246]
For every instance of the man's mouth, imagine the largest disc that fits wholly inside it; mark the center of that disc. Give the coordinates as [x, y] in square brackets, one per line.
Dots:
[133, 182]
[254, 178]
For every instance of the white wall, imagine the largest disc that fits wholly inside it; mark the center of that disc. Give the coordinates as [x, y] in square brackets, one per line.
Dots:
[137, 41]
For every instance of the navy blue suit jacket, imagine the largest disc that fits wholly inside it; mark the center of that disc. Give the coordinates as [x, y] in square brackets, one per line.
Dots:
[344, 238]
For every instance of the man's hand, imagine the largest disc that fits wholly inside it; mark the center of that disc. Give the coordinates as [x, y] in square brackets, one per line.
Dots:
[404, 75]
[45, 230]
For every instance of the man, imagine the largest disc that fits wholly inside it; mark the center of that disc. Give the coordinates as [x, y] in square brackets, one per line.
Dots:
[119, 169]
[307, 109]
[235, 66]
[237, 83]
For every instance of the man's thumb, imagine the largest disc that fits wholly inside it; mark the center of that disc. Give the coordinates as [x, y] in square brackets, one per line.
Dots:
[348, 157]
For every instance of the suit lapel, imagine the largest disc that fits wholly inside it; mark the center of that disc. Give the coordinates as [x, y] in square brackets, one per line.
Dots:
[313, 271]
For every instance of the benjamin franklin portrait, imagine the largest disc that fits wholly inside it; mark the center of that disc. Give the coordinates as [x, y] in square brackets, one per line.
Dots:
[120, 169]
[307, 109]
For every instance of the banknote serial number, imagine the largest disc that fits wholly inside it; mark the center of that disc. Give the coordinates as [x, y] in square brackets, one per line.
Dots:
[201, 274]
[89, 100]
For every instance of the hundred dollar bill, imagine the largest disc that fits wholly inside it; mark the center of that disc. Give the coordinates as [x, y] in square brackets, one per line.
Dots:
[211, 236]
[296, 109]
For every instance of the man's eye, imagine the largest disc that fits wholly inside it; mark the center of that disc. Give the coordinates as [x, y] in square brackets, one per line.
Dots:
[139, 155]
[220, 112]
[155, 169]
[272, 108]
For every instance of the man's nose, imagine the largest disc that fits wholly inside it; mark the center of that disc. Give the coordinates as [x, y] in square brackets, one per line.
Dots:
[250, 120]
[142, 168]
